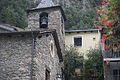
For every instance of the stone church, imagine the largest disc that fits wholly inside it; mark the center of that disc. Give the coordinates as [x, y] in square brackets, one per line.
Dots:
[37, 52]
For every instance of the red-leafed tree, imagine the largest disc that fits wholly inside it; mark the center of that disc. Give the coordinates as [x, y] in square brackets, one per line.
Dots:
[109, 21]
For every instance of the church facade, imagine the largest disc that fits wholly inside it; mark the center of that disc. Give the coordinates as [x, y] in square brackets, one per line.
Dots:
[37, 52]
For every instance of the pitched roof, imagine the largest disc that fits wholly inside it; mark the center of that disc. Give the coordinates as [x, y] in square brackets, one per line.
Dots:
[84, 30]
[8, 28]
[45, 3]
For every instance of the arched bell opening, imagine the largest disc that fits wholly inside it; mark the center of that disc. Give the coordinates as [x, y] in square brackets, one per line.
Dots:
[43, 20]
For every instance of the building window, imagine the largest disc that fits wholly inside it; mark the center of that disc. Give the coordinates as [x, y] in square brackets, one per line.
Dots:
[77, 41]
[94, 39]
[116, 74]
[62, 25]
[52, 48]
[47, 75]
[43, 20]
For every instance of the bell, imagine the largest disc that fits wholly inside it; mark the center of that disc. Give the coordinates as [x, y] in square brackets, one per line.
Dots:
[44, 21]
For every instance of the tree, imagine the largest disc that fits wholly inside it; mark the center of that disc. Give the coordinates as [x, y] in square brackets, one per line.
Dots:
[109, 21]
[94, 65]
[77, 18]
[13, 12]
[71, 59]
[92, 68]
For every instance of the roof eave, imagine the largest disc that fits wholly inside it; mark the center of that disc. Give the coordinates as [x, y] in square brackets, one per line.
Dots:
[86, 30]
[7, 28]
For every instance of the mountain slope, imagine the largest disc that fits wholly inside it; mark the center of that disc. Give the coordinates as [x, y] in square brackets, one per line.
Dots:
[80, 14]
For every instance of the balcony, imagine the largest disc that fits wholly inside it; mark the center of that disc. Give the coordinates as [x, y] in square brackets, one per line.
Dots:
[109, 55]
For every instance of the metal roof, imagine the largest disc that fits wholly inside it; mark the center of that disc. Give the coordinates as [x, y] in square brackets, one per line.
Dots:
[112, 59]
[84, 30]
[45, 3]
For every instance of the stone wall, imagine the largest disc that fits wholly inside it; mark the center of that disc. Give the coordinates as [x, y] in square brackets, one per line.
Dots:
[17, 53]
[55, 21]
[45, 59]
[15, 57]
[54, 18]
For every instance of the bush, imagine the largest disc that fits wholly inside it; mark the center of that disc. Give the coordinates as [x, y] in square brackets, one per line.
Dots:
[13, 12]
[94, 65]
[71, 60]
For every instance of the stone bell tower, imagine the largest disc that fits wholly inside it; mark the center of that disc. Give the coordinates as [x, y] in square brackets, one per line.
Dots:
[47, 16]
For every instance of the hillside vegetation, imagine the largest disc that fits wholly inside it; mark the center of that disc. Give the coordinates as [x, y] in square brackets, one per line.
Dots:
[80, 14]
[13, 12]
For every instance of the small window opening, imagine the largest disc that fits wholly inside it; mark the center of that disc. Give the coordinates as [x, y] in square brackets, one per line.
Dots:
[77, 41]
[43, 20]
[94, 39]
[47, 35]
[40, 36]
[52, 48]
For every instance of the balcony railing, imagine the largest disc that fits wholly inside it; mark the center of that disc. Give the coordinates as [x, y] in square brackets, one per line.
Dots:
[111, 54]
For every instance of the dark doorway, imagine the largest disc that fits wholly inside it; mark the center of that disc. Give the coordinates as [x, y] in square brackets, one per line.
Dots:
[47, 75]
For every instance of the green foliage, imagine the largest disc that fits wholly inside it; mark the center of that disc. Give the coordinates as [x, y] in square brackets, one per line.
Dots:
[13, 12]
[92, 68]
[94, 65]
[109, 21]
[78, 18]
[71, 59]
[95, 3]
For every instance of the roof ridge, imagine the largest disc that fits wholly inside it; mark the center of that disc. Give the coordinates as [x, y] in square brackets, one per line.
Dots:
[46, 3]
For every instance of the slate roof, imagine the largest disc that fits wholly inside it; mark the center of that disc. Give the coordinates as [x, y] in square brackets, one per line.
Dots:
[45, 3]
[8, 28]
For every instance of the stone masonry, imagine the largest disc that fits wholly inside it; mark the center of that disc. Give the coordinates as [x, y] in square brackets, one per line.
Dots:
[36, 53]
[15, 57]
[55, 21]
[45, 59]
[16, 51]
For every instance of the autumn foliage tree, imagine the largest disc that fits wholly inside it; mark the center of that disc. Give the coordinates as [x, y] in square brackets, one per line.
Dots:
[109, 22]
